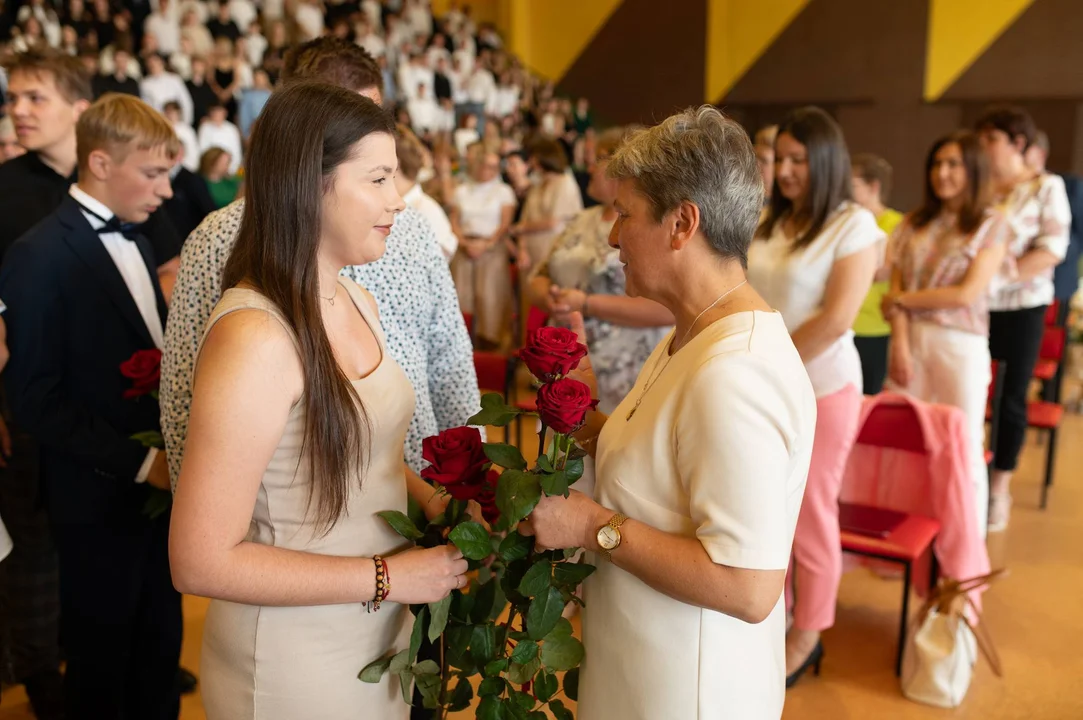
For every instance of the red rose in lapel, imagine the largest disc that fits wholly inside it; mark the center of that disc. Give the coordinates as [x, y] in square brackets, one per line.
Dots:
[144, 369]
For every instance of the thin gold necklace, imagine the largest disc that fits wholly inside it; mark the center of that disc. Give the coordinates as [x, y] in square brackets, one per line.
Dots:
[331, 299]
[652, 378]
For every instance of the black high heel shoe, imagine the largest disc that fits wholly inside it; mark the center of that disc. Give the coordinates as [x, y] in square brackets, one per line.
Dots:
[812, 661]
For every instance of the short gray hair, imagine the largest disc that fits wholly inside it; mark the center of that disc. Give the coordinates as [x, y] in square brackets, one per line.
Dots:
[703, 157]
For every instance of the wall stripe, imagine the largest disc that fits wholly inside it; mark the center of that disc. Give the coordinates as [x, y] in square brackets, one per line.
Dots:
[738, 33]
[548, 35]
[959, 32]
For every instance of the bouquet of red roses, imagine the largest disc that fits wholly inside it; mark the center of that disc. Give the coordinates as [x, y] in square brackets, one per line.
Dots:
[507, 625]
[144, 369]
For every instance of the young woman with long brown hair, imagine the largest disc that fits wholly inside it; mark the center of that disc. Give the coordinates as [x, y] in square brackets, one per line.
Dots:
[946, 254]
[813, 260]
[296, 435]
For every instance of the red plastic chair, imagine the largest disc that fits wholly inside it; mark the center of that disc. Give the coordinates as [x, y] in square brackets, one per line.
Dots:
[1051, 354]
[1051, 314]
[495, 373]
[897, 427]
[1046, 416]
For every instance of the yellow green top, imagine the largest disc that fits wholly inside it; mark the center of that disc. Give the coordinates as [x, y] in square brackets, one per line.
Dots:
[870, 321]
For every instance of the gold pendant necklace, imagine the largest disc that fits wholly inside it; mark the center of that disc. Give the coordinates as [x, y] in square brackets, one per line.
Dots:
[652, 378]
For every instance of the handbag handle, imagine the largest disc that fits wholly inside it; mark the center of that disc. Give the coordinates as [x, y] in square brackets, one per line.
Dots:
[944, 596]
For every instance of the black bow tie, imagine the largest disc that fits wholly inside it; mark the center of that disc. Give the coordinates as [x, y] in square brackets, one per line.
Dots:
[113, 225]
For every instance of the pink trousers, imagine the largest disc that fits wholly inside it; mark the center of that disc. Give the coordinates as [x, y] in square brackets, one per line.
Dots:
[816, 567]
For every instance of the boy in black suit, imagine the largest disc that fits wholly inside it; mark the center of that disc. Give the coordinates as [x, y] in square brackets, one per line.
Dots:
[83, 295]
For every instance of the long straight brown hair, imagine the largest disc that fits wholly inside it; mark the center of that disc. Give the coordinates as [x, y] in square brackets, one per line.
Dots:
[977, 190]
[829, 173]
[303, 134]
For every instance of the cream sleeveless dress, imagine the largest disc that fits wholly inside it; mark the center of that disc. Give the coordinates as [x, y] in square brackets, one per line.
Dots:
[294, 663]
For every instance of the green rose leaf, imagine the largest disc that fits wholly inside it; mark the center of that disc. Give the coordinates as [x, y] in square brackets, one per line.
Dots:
[524, 700]
[439, 614]
[546, 686]
[559, 711]
[494, 668]
[374, 671]
[571, 574]
[491, 708]
[486, 599]
[545, 465]
[426, 667]
[515, 546]
[461, 695]
[406, 684]
[520, 674]
[418, 632]
[504, 455]
[493, 412]
[571, 684]
[456, 642]
[483, 644]
[500, 601]
[471, 539]
[524, 652]
[543, 614]
[461, 605]
[429, 687]
[561, 653]
[491, 686]
[536, 579]
[563, 628]
[574, 469]
[149, 439]
[555, 483]
[517, 493]
[514, 712]
[400, 662]
[401, 524]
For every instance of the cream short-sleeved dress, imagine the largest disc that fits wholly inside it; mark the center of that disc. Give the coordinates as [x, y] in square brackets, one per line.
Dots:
[718, 450]
[288, 663]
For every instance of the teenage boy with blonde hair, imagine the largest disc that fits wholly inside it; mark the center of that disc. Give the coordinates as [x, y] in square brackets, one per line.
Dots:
[83, 297]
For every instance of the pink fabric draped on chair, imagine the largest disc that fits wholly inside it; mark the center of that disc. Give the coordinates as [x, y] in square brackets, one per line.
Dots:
[936, 484]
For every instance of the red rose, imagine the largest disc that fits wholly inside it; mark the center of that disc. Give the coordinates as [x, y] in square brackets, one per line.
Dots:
[487, 497]
[563, 404]
[552, 352]
[456, 461]
[144, 369]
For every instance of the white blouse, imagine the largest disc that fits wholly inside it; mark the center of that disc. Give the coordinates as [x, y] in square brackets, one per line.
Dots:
[794, 283]
[480, 206]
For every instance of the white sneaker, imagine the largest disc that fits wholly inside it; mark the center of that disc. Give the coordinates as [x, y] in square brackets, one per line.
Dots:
[1000, 510]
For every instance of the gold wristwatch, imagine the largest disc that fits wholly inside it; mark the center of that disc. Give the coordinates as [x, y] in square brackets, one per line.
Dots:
[609, 536]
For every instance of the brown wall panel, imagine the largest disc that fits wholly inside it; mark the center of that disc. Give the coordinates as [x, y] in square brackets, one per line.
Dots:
[646, 62]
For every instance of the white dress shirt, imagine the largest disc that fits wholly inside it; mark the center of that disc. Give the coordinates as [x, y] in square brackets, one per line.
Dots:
[192, 153]
[157, 90]
[225, 136]
[133, 270]
[166, 28]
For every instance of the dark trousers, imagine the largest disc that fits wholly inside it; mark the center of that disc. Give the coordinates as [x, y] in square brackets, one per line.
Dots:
[29, 584]
[122, 620]
[1015, 338]
[873, 352]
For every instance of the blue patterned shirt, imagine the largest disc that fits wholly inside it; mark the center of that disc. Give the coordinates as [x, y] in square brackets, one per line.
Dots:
[419, 312]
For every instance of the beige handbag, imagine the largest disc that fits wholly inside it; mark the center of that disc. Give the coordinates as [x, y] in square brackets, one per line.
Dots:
[943, 646]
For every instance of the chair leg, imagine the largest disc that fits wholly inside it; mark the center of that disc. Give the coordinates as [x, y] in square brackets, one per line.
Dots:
[1050, 459]
[903, 620]
[934, 567]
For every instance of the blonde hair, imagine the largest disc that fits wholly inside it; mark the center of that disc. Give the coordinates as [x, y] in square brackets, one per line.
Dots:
[765, 136]
[119, 123]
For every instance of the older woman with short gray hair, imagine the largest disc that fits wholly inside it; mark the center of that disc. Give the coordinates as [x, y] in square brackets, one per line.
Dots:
[701, 469]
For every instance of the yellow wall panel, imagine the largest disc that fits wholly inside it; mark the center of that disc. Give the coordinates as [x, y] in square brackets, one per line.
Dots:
[959, 32]
[550, 34]
[738, 33]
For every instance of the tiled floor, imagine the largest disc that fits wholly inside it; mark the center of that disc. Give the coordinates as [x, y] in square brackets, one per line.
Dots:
[1035, 616]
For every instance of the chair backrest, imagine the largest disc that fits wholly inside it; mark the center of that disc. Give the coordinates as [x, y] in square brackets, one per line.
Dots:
[535, 319]
[893, 426]
[1053, 342]
[1051, 313]
[493, 371]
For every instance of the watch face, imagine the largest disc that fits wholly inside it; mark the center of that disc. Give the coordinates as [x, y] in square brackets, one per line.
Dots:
[608, 537]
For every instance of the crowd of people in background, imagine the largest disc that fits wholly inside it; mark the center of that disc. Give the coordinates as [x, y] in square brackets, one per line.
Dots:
[511, 180]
